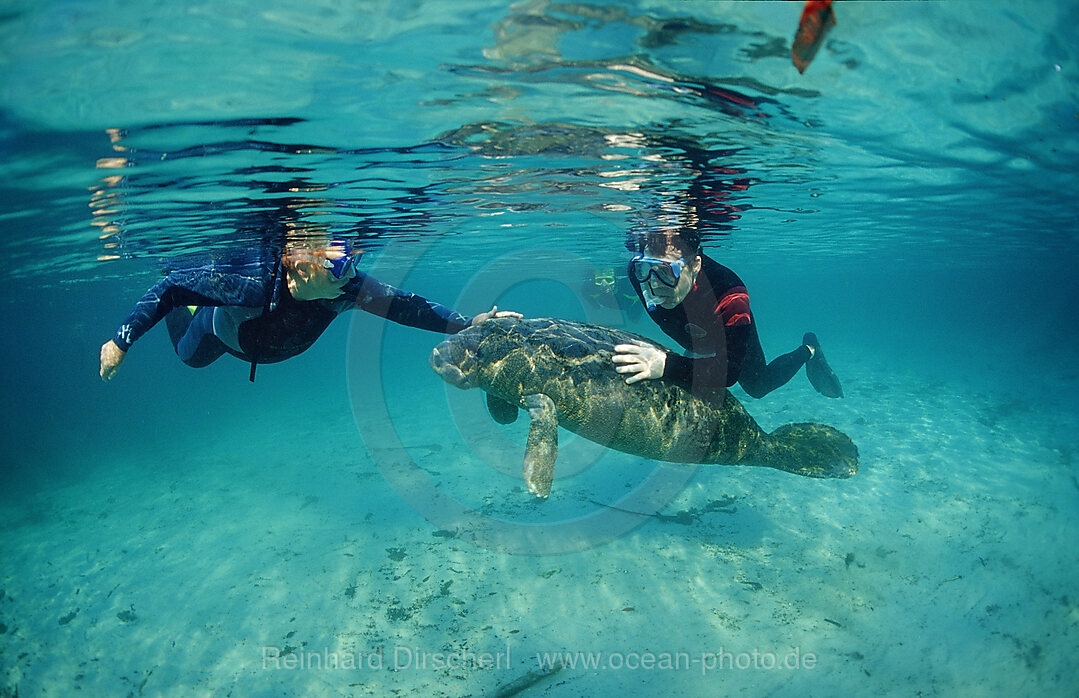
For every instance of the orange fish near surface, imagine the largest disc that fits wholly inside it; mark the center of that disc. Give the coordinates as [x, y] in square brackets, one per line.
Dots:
[817, 19]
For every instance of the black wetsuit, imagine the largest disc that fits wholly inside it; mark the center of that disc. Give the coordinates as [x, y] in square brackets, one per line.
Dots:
[279, 326]
[715, 323]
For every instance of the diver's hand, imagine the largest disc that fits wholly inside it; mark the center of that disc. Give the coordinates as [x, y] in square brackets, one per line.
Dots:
[643, 361]
[494, 312]
[111, 358]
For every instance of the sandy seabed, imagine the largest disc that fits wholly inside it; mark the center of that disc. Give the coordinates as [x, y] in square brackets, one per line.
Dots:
[946, 566]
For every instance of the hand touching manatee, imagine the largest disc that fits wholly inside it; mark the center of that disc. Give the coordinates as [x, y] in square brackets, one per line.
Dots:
[493, 313]
[643, 361]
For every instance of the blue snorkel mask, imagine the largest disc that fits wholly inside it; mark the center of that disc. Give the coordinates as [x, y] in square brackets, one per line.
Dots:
[667, 273]
[344, 267]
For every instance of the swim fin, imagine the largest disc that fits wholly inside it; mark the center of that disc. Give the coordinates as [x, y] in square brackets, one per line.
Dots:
[817, 19]
[820, 374]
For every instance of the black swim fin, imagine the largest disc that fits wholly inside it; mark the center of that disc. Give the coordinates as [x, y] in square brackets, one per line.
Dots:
[820, 374]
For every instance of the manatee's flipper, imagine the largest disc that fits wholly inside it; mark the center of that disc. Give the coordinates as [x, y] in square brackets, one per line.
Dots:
[501, 411]
[542, 446]
[812, 450]
[820, 374]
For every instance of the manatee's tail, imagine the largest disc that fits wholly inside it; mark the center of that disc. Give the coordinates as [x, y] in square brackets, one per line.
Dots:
[812, 450]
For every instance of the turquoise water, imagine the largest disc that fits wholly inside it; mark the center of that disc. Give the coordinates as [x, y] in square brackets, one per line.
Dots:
[910, 198]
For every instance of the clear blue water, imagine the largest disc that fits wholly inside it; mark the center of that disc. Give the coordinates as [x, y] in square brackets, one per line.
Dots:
[910, 198]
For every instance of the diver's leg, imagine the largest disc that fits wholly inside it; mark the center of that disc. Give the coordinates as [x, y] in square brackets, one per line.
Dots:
[177, 322]
[758, 378]
[193, 336]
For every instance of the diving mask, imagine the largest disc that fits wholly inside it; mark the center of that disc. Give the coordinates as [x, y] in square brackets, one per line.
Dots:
[666, 272]
[343, 267]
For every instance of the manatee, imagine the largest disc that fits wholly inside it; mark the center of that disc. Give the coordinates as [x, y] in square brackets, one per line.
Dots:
[560, 372]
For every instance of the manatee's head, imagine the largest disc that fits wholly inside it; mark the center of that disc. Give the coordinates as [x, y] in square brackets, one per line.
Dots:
[455, 359]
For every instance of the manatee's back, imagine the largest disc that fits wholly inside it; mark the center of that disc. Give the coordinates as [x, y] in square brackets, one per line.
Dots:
[568, 361]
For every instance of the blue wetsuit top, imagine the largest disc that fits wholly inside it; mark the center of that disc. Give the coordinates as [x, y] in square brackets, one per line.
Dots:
[289, 326]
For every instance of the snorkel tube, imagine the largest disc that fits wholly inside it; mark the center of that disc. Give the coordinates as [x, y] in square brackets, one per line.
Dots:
[651, 301]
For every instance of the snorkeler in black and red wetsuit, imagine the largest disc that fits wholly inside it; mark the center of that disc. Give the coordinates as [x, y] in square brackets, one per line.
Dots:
[704, 306]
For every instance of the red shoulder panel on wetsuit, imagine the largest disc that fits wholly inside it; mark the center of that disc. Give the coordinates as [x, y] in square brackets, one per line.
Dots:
[733, 307]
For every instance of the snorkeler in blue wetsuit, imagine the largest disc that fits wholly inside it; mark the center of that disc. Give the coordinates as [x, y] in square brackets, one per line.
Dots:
[704, 306]
[271, 307]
